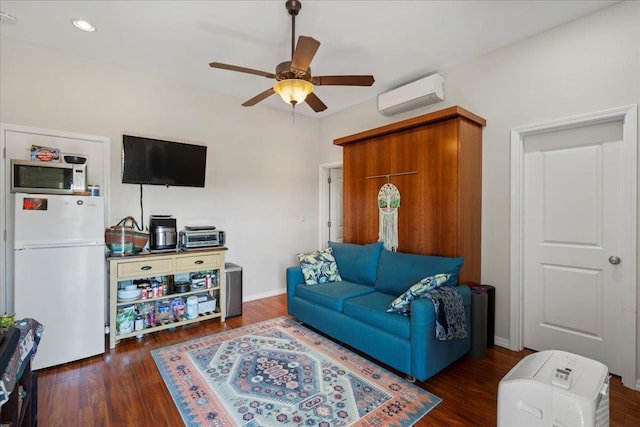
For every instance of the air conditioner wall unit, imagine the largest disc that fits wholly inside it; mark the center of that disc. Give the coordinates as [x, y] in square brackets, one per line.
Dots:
[419, 93]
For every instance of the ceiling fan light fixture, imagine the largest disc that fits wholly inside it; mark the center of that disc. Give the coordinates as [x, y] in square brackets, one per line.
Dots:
[293, 91]
[294, 82]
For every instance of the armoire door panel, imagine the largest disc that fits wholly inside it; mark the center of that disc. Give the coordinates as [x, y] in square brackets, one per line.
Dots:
[403, 160]
[363, 160]
[431, 197]
[470, 200]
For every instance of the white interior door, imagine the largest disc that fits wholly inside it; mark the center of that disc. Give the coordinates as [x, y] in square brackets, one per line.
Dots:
[330, 215]
[335, 224]
[573, 278]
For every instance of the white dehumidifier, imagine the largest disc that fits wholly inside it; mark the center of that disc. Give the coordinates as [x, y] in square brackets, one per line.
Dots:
[554, 389]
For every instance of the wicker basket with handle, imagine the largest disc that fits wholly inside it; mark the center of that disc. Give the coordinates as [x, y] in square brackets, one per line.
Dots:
[126, 237]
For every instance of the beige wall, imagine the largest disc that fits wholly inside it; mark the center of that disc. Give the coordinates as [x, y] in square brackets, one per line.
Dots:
[589, 65]
[261, 184]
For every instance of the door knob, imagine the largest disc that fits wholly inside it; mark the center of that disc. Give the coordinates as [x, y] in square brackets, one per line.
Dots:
[614, 260]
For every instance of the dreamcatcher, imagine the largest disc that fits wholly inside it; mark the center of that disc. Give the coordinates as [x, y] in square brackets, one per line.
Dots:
[388, 204]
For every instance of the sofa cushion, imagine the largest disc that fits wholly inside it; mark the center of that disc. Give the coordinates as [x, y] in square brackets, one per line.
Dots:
[398, 271]
[357, 263]
[371, 308]
[402, 304]
[332, 295]
[319, 267]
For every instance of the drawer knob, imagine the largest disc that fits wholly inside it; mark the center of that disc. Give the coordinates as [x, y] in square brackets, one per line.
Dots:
[145, 268]
[199, 262]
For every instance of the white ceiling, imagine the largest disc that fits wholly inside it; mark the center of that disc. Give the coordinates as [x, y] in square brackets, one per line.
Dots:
[396, 41]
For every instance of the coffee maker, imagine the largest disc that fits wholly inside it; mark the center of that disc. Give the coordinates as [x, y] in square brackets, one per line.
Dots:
[163, 236]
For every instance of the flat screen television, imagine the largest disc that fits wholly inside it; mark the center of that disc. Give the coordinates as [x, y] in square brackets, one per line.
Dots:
[158, 162]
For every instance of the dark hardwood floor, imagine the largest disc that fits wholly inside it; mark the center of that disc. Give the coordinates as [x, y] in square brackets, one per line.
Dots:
[123, 387]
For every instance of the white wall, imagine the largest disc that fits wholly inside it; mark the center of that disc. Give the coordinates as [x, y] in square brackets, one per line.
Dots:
[589, 65]
[261, 185]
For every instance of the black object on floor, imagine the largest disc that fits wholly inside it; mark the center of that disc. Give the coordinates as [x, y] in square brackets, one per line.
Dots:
[491, 314]
[234, 289]
[478, 323]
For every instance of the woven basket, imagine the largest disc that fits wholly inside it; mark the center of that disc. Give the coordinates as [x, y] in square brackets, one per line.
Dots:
[126, 237]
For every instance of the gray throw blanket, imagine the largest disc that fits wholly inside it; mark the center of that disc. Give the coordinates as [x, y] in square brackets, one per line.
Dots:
[450, 322]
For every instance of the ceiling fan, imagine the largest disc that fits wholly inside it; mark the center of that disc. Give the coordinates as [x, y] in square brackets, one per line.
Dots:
[294, 82]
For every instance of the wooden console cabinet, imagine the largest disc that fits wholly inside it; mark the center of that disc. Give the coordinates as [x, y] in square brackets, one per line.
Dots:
[164, 265]
[435, 161]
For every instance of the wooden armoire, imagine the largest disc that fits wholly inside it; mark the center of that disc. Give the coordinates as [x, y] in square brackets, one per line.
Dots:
[435, 161]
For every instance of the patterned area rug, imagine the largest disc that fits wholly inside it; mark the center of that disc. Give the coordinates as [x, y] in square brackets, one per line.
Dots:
[279, 373]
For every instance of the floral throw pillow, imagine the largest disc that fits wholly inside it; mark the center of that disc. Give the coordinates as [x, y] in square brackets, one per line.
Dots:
[319, 267]
[402, 304]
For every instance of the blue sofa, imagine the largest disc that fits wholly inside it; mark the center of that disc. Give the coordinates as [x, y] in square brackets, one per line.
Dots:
[354, 310]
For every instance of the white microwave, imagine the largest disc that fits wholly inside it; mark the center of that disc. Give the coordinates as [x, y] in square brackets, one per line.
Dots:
[29, 176]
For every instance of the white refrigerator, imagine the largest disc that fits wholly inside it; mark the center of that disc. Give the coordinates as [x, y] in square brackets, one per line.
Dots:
[59, 273]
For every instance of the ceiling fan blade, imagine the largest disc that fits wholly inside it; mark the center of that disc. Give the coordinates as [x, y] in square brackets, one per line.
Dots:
[304, 53]
[343, 80]
[253, 101]
[315, 103]
[242, 69]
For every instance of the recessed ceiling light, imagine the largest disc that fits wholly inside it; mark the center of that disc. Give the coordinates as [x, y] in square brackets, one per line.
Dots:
[83, 25]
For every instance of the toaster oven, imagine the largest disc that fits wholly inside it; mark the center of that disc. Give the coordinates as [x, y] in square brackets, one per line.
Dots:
[199, 239]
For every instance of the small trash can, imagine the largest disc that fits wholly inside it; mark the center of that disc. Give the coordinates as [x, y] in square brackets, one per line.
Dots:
[234, 289]
[479, 299]
[491, 314]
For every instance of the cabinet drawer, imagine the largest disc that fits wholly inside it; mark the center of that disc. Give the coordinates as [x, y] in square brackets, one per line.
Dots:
[151, 267]
[198, 262]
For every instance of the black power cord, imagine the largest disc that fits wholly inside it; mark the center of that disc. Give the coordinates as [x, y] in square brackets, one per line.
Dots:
[141, 210]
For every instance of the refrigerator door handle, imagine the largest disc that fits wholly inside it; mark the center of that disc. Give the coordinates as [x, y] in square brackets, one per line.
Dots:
[29, 246]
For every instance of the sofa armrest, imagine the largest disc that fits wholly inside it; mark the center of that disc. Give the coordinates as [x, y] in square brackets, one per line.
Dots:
[423, 311]
[294, 278]
[430, 355]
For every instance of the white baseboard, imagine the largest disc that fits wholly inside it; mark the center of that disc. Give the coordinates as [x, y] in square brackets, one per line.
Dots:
[261, 295]
[502, 342]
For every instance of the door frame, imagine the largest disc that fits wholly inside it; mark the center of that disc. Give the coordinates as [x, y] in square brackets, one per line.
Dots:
[324, 171]
[629, 117]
